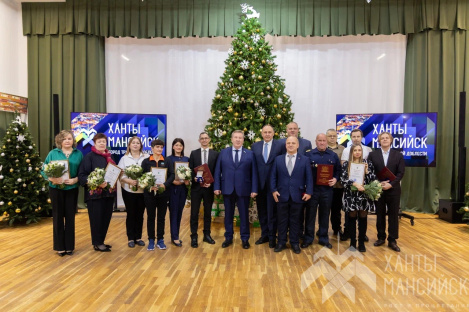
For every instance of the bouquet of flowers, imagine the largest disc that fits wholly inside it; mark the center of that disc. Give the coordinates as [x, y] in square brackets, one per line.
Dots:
[55, 170]
[134, 172]
[95, 179]
[146, 181]
[373, 190]
[184, 173]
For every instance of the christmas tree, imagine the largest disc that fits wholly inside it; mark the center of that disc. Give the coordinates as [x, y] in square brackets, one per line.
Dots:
[250, 94]
[24, 194]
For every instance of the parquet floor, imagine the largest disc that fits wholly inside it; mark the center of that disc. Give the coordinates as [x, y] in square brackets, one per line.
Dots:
[430, 274]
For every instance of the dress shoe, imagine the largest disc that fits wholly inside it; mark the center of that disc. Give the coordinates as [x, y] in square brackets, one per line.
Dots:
[139, 242]
[178, 244]
[226, 243]
[306, 244]
[361, 247]
[339, 232]
[246, 244]
[69, 252]
[61, 253]
[393, 246]
[262, 240]
[208, 239]
[272, 243]
[279, 247]
[296, 248]
[194, 243]
[327, 245]
[102, 248]
[379, 242]
[108, 246]
[344, 237]
[131, 244]
[367, 239]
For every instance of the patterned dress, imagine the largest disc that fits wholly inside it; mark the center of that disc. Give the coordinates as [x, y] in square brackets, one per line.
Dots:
[355, 200]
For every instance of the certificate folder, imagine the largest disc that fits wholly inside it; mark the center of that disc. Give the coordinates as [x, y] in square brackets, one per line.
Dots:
[386, 174]
[323, 174]
[206, 174]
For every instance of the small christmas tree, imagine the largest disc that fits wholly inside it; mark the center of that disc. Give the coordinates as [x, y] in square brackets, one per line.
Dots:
[24, 192]
[249, 95]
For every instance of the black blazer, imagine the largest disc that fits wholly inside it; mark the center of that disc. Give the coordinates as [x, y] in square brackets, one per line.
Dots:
[90, 162]
[195, 160]
[395, 164]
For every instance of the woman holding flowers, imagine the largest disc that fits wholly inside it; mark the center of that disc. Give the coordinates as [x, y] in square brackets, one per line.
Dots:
[356, 202]
[63, 191]
[132, 195]
[178, 190]
[99, 198]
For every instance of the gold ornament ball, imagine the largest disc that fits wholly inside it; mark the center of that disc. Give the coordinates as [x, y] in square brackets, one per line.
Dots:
[4, 146]
[9, 203]
[245, 129]
[39, 208]
[260, 49]
[231, 63]
[26, 155]
[250, 49]
[263, 61]
[262, 118]
[18, 210]
[49, 201]
[220, 118]
[35, 210]
[252, 63]
[230, 109]
[8, 140]
[15, 192]
[241, 77]
[37, 169]
[8, 132]
[11, 170]
[32, 183]
[242, 99]
[218, 96]
[28, 161]
[258, 30]
[222, 84]
[268, 88]
[275, 105]
[249, 89]
[240, 52]
[262, 93]
[236, 114]
[279, 116]
[284, 96]
[252, 73]
[251, 101]
[276, 133]
[260, 77]
[223, 133]
[5, 213]
[275, 90]
[235, 52]
[281, 123]
[257, 139]
[37, 192]
[284, 109]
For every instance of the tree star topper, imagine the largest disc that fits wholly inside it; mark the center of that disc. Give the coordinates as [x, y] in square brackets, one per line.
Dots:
[246, 8]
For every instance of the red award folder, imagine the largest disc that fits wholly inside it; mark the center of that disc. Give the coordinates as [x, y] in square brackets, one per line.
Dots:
[386, 174]
[206, 174]
[323, 174]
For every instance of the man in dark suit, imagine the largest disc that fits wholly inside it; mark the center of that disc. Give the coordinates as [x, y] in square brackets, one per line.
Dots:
[199, 191]
[236, 178]
[391, 197]
[265, 152]
[292, 130]
[292, 184]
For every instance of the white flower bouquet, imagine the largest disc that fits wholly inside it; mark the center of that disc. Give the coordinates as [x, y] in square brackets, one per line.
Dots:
[95, 179]
[134, 172]
[373, 190]
[184, 173]
[55, 170]
[146, 181]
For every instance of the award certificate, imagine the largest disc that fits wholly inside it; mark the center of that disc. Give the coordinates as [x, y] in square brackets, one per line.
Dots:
[112, 174]
[324, 173]
[159, 174]
[357, 173]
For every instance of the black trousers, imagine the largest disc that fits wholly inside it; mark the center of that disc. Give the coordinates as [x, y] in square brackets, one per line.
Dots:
[64, 205]
[263, 202]
[392, 201]
[336, 207]
[100, 214]
[154, 203]
[289, 220]
[135, 207]
[205, 194]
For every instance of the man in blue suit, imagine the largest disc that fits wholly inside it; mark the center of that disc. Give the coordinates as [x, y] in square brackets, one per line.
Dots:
[292, 185]
[236, 178]
[292, 130]
[265, 152]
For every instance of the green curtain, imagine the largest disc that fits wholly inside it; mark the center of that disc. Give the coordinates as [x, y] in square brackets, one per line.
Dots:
[5, 120]
[71, 66]
[183, 18]
[436, 71]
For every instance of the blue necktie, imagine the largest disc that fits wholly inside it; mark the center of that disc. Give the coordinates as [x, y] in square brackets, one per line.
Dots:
[236, 157]
[266, 151]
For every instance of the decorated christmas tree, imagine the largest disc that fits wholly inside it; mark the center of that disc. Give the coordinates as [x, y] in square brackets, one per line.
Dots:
[24, 195]
[250, 94]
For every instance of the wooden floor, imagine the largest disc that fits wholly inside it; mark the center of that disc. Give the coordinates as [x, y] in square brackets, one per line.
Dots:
[434, 254]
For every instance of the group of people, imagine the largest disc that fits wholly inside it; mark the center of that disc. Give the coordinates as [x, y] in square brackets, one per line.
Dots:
[282, 175]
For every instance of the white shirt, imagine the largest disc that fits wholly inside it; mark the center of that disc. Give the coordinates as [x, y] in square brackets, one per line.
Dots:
[293, 160]
[239, 153]
[346, 152]
[126, 161]
[385, 156]
[202, 154]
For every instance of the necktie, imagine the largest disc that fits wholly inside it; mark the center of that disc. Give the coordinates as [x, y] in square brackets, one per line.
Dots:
[205, 156]
[266, 151]
[236, 157]
[290, 164]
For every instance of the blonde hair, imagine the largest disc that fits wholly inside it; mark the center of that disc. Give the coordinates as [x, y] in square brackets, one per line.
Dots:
[384, 132]
[127, 152]
[59, 138]
[350, 156]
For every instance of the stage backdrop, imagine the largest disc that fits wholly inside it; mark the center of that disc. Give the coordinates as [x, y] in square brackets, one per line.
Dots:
[324, 76]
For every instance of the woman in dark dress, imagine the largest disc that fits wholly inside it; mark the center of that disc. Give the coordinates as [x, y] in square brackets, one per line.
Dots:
[64, 193]
[178, 192]
[356, 203]
[99, 204]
